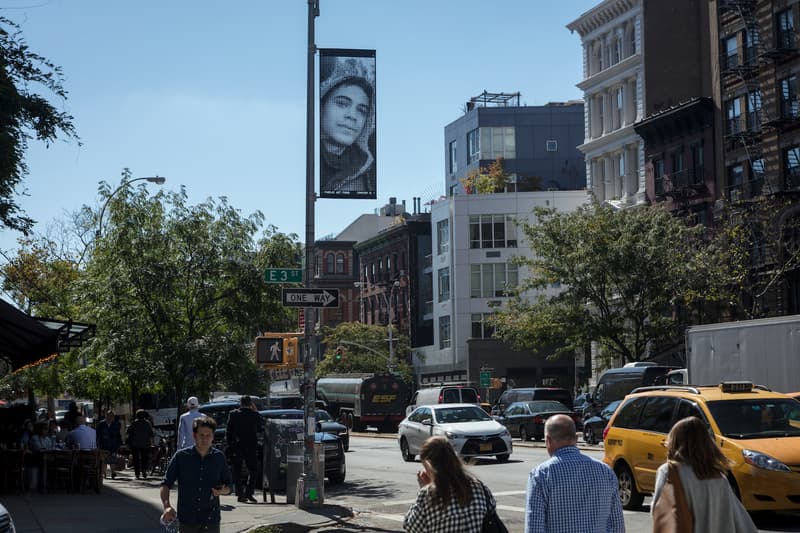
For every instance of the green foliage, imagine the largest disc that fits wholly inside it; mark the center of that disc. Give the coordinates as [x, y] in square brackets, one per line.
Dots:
[623, 274]
[364, 349]
[487, 180]
[23, 115]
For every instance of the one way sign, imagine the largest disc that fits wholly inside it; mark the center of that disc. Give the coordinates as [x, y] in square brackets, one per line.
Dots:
[311, 297]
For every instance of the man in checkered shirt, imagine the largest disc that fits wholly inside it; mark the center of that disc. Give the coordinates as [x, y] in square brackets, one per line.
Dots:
[571, 492]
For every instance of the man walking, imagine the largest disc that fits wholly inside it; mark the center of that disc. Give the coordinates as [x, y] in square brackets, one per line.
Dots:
[570, 491]
[185, 434]
[203, 476]
[241, 434]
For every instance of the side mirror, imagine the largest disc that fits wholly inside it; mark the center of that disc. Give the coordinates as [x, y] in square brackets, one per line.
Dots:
[427, 422]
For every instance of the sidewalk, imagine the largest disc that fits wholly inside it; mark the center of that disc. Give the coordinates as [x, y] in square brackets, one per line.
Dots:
[128, 505]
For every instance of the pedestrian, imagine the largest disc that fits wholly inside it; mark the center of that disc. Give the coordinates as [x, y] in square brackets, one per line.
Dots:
[702, 470]
[109, 438]
[82, 437]
[570, 491]
[139, 439]
[203, 476]
[185, 435]
[347, 125]
[241, 433]
[71, 415]
[450, 500]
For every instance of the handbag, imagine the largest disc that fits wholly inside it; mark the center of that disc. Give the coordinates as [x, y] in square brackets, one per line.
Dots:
[671, 512]
[491, 521]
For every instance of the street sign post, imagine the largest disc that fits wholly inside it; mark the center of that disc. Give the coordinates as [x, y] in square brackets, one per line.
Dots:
[310, 297]
[283, 275]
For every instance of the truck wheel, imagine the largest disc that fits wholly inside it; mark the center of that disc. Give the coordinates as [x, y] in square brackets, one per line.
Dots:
[405, 452]
[631, 498]
[349, 423]
[523, 434]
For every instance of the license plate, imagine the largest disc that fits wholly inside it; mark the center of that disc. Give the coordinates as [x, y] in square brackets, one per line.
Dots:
[486, 446]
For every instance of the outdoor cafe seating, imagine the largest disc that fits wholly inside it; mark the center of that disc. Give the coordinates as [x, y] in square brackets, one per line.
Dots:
[73, 470]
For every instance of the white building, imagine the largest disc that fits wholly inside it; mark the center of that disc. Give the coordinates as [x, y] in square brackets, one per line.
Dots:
[474, 239]
[613, 87]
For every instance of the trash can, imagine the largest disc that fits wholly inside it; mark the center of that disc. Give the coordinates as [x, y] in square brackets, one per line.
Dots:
[318, 467]
[294, 468]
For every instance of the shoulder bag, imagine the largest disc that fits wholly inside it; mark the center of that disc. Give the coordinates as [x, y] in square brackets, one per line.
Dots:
[671, 512]
[491, 522]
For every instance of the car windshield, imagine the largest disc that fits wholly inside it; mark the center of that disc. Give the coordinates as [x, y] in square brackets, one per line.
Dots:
[758, 418]
[323, 416]
[452, 415]
[219, 413]
[546, 407]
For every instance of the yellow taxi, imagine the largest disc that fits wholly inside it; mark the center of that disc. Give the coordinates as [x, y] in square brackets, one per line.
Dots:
[758, 431]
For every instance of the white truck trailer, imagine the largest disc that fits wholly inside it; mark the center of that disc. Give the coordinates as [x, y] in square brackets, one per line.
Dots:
[765, 351]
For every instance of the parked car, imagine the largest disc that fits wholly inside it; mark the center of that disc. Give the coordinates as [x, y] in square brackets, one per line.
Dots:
[593, 427]
[526, 419]
[335, 465]
[325, 422]
[795, 395]
[531, 394]
[757, 430]
[471, 431]
[219, 411]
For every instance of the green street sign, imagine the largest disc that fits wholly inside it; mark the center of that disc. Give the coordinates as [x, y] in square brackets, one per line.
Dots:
[486, 379]
[283, 275]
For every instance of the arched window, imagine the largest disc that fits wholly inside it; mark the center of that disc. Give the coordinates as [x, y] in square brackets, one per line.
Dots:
[329, 263]
[340, 263]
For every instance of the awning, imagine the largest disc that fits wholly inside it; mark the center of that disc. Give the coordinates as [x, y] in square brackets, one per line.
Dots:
[27, 341]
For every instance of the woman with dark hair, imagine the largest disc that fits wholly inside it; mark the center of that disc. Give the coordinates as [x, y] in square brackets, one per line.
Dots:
[450, 500]
[347, 126]
[139, 439]
[703, 469]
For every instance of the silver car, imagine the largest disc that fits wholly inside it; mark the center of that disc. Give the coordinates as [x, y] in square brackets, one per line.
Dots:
[471, 431]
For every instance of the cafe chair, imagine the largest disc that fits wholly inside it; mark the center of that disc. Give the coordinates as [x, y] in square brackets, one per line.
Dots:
[59, 467]
[89, 464]
[14, 470]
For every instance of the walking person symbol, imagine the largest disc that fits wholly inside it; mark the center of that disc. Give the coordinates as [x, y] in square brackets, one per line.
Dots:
[275, 352]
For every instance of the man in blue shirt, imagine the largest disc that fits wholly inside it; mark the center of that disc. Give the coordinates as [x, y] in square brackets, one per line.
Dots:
[203, 476]
[571, 492]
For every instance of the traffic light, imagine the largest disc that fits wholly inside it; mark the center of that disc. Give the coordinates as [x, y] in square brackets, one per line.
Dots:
[339, 353]
[290, 350]
[270, 351]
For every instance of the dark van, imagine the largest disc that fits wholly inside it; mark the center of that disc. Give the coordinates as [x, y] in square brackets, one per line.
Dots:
[529, 394]
[617, 383]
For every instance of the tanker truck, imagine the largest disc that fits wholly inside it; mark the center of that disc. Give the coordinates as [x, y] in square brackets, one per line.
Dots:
[361, 400]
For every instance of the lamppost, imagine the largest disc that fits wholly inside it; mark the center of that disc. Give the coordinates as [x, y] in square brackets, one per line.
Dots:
[152, 179]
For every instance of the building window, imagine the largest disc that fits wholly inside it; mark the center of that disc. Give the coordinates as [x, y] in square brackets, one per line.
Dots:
[444, 284]
[757, 174]
[785, 29]
[481, 329]
[619, 110]
[473, 146]
[444, 332]
[452, 163]
[329, 260]
[677, 161]
[552, 145]
[658, 175]
[731, 47]
[791, 160]
[698, 175]
[735, 174]
[733, 110]
[442, 236]
[492, 280]
[497, 142]
[754, 110]
[492, 231]
[340, 263]
[632, 38]
[750, 47]
[788, 96]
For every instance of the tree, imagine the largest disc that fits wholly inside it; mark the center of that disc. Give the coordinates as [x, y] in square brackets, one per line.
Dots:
[177, 290]
[487, 180]
[364, 348]
[622, 274]
[23, 114]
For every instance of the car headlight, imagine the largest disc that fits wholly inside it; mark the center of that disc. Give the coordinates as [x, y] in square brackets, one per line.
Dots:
[452, 435]
[331, 447]
[762, 460]
[505, 433]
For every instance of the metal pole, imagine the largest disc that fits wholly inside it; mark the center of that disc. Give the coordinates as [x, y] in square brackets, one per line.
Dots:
[309, 487]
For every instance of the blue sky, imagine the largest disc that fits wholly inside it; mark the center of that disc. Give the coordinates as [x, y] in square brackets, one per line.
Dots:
[211, 95]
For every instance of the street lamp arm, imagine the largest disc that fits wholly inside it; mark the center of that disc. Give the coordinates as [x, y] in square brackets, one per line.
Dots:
[152, 179]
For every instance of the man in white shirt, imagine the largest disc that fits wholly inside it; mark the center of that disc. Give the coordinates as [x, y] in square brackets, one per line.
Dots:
[82, 437]
[185, 432]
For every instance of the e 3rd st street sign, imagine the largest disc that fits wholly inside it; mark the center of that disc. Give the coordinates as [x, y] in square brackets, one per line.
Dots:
[310, 297]
[283, 275]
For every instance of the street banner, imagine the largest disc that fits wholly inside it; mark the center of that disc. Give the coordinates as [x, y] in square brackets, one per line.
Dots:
[347, 124]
